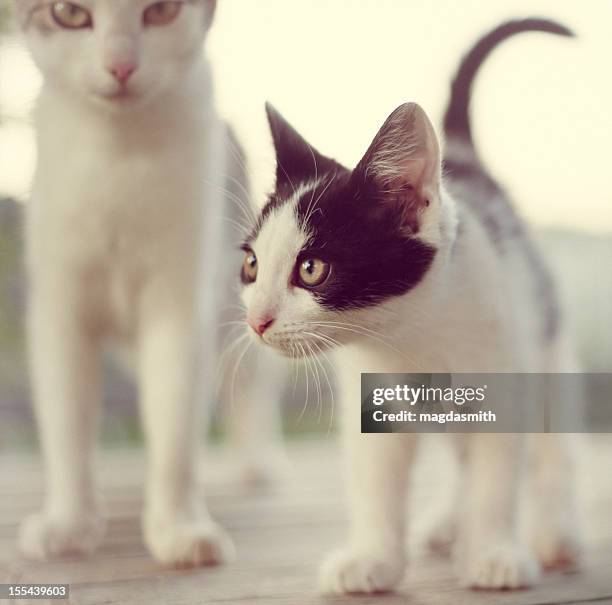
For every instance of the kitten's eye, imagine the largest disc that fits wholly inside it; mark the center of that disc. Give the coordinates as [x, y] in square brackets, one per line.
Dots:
[313, 272]
[70, 16]
[249, 268]
[162, 13]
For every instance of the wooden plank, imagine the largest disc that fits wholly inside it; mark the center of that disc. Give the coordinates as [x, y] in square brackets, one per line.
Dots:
[281, 535]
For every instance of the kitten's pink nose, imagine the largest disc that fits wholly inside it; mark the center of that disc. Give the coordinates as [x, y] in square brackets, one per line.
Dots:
[261, 325]
[123, 71]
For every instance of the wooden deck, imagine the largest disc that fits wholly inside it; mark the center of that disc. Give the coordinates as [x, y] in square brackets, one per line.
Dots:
[281, 534]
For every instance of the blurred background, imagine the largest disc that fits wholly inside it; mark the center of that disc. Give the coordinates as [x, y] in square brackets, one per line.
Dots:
[336, 69]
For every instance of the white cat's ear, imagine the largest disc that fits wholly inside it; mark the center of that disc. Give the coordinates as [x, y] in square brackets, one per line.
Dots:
[403, 163]
[210, 7]
[21, 10]
[296, 160]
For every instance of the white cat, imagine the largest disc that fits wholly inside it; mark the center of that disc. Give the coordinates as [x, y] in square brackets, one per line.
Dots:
[386, 269]
[124, 231]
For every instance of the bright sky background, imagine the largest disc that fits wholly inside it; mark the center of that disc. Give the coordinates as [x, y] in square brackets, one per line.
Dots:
[542, 109]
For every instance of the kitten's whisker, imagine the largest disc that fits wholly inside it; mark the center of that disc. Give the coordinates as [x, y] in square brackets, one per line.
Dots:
[224, 358]
[296, 368]
[331, 180]
[232, 322]
[312, 207]
[324, 372]
[321, 352]
[316, 180]
[315, 375]
[287, 175]
[230, 347]
[241, 228]
[327, 339]
[313, 360]
[227, 334]
[362, 332]
[221, 189]
[331, 394]
[231, 196]
[226, 331]
[349, 325]
[299, 420]
[243, 189]
[238, 153]
[243, 206]
[235, 374]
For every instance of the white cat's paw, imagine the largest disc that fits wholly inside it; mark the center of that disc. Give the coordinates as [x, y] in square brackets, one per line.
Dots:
[557, 548]
[500, 568]
[441, 536]
[42, 537]
[350, 571]
[188, 543]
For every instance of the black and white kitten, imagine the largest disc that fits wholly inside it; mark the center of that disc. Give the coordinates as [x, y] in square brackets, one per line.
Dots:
[397, 269]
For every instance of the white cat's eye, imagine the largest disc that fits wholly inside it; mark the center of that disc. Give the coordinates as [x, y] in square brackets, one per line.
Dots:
[70, 16]
[162, 13]
[312, 272]
[249, 267]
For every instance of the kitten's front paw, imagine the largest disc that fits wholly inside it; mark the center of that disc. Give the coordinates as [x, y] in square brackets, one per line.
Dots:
[42, 537]
[557, 548]
[502, 567]
[188, 543]
[351, 571]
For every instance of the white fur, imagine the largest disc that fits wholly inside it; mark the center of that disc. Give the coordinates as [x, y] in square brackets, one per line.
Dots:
[272, 298]
[473, 312]
[122, 235]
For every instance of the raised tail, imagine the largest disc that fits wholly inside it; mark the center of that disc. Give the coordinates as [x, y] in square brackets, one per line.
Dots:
[457, 119]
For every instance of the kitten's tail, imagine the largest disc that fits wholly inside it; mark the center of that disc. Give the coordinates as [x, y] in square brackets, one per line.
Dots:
[457, 119]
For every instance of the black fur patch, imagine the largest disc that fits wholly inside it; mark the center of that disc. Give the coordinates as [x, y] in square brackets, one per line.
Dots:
[371, 258]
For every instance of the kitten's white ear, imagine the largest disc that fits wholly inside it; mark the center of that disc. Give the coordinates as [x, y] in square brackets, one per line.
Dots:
[403, 163]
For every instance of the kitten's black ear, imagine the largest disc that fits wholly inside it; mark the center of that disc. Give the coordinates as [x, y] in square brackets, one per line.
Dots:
[403, 165]
[296, 160]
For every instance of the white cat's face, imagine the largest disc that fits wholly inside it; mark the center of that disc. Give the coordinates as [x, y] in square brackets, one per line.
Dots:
[115, 51]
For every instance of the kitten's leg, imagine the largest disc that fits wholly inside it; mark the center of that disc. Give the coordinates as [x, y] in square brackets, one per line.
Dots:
[490, 554]
[379, 465]
[555, 531]
[252, 415]
[178, 528]
[64, 365]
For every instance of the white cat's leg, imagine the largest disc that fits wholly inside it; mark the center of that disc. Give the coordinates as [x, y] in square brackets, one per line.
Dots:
[490, 554]
[178, 528]
[443, 520]
[555, 531]
[65, 381]
[252, 412]
[379, 465]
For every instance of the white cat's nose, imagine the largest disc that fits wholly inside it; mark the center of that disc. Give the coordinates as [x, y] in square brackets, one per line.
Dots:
[123, 71]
